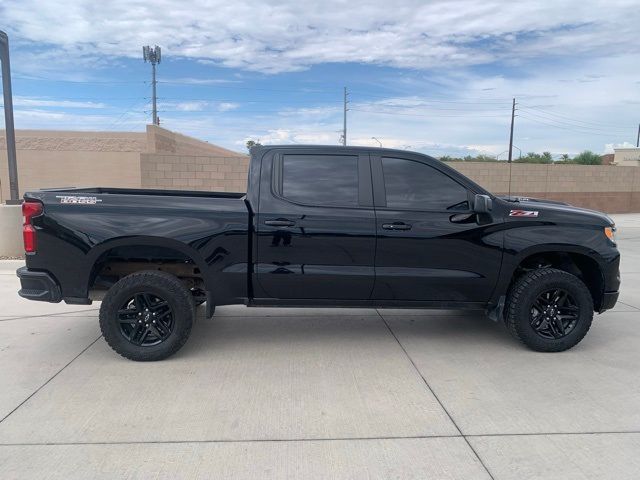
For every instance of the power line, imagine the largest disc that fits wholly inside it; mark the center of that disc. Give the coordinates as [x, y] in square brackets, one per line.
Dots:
[479, 101]
[90, 82]
[531, 119]
[467, 114]
[577, 127]
[553, 114]
[431, 107]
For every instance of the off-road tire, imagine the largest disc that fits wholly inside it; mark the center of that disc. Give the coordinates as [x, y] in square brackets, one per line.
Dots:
[165, 286]
[522, 296]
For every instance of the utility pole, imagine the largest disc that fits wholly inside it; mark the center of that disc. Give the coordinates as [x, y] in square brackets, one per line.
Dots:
[8, 120]
[513, 116]
[153, 56]
[638, 139]
[344, 122]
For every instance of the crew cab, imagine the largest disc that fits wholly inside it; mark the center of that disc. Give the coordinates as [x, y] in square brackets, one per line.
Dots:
[320, 226]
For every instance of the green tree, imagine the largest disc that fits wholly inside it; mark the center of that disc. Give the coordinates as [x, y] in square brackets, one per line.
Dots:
[485, 158]
[253, 143]
[588, 158]
[533, 157]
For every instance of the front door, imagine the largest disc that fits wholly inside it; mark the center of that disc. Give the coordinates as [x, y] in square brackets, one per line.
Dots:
[431, 247]
[316, 230]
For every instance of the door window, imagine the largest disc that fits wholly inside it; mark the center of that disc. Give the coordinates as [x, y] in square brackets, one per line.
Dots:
[417, 186]
[320, 179]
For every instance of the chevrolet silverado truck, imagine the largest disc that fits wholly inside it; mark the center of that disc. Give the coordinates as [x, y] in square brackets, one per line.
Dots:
[320, 226]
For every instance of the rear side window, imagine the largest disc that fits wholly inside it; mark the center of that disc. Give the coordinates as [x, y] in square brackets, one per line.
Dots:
[414, 185]
[320, 179]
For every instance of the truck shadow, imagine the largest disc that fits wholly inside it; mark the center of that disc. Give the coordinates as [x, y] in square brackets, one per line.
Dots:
[357, 332]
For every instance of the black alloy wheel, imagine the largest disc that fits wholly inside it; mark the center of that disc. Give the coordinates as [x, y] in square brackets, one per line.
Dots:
[554, 314]
[146, 319]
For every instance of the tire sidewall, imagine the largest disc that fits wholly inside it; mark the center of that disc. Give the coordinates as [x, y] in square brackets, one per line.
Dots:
[550, 281]
[181, 306]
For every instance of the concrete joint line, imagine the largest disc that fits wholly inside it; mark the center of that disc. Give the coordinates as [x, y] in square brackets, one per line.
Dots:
[415, 367]
[47, 382]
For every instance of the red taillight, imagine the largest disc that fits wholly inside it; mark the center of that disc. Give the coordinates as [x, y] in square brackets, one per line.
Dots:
[29, 210]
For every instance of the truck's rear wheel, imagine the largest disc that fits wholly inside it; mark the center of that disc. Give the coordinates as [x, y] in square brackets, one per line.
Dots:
[549, 310]
[147, 316]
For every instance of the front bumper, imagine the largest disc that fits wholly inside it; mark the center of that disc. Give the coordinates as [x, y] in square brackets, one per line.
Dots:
[38, 285]
[609, 300]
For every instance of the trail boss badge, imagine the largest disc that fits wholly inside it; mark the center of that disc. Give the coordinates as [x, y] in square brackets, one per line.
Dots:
[523, 213]
[78, 200]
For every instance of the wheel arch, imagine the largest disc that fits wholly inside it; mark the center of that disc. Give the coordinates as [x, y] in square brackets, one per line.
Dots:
[581, 262]
[163, 247]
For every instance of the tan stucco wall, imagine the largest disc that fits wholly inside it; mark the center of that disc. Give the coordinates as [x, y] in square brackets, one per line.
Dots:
[11, 231]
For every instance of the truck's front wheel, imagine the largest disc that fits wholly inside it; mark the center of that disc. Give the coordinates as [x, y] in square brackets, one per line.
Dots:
[147, 316]
[549, 310]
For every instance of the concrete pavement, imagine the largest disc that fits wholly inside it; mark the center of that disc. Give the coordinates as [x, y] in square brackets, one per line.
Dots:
[321, 393]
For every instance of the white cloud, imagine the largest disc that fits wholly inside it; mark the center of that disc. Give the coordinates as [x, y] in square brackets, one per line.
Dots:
[197, 81]
[292, 35]
[227, 106]
[32, 102]
[572, 65]
[195, 106]
[609, 147]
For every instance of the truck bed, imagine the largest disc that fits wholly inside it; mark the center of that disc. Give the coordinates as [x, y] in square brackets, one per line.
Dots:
[143, 191]
[81, 228]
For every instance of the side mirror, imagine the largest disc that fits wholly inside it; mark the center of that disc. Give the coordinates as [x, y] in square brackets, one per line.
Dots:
[482, 203]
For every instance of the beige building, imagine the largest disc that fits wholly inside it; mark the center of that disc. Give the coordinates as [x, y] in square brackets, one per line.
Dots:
[627, 156]
[49, 158]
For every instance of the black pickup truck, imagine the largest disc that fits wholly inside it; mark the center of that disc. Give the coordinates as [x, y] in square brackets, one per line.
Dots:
[320, 226]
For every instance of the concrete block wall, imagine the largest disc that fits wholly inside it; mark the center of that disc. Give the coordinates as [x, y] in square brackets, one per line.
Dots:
[609, 188]
[194, 172]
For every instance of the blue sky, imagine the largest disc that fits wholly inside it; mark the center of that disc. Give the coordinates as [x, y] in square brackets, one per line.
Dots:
[436, 76]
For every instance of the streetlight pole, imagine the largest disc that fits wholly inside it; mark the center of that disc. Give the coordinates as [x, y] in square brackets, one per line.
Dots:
[379, 142]
[8, 120]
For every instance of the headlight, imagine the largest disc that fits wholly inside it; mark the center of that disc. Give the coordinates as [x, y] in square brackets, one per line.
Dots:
[610, 232]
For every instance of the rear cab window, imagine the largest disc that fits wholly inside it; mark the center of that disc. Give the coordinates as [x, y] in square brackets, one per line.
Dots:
[322, 180]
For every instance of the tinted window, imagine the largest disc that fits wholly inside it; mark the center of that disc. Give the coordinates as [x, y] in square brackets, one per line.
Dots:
[414, 185]
[320, 179]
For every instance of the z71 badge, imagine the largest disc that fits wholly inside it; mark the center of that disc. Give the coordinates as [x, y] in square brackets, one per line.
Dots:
[78, 200]
[523, 213]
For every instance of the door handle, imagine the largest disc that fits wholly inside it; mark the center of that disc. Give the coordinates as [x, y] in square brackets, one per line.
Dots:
[396, 226]
[280, 222]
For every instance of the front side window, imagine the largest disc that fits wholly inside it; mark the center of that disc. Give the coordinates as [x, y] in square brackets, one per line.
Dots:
[414, 185]
[320, 179]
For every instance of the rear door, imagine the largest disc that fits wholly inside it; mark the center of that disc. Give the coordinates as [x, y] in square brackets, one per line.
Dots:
[316, 225]
[431, 246]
